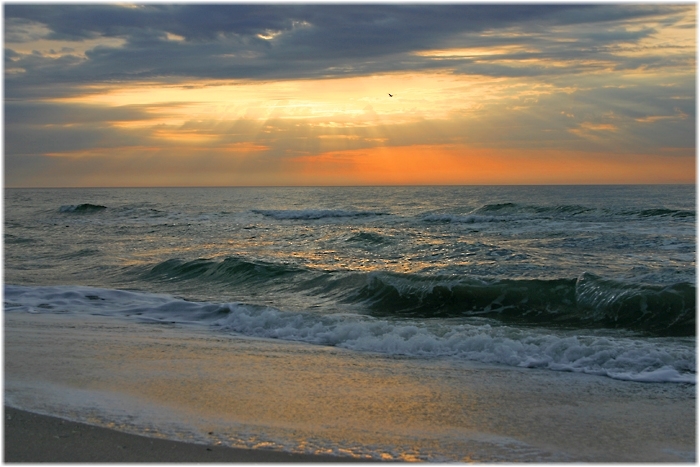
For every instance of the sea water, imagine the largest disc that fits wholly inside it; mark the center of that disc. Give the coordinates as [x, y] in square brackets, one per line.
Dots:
[596, 281]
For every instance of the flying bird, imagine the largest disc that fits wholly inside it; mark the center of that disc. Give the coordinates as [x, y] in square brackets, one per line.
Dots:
[390, 95]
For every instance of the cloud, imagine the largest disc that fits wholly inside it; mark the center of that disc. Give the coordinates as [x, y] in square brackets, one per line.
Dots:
[46, 113]
[240, 41]
[253, 87]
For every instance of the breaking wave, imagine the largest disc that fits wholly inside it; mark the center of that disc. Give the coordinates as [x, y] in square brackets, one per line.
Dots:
[615, 357]
[587, 302]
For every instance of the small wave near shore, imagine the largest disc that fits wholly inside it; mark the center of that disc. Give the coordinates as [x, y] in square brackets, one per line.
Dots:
[618, 357]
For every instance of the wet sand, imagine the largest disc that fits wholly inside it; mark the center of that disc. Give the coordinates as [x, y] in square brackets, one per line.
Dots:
[269, 400]
[32, 438]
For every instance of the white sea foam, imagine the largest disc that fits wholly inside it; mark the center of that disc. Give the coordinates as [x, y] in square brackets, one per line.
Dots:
[622, 358]
[618, 358]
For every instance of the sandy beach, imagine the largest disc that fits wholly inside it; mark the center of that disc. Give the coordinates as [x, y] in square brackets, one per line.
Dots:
[30, 437]
[292, 402]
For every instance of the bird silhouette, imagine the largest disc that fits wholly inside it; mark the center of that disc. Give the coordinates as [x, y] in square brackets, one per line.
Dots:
[390, 95]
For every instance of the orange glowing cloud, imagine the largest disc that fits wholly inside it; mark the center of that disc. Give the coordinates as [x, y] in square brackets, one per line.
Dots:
[454, 164]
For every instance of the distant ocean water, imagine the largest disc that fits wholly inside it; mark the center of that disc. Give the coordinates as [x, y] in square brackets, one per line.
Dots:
[589, 279]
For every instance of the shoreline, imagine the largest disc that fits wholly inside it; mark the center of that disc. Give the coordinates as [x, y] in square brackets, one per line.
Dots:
[31, 437]
[205, 390]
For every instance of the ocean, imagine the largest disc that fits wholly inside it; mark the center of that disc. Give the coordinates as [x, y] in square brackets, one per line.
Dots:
[559, 289]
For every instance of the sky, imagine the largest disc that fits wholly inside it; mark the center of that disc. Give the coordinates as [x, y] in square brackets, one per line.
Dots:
[294, 94]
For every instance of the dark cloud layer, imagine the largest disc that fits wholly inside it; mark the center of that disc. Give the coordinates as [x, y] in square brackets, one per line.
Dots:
[259, 41]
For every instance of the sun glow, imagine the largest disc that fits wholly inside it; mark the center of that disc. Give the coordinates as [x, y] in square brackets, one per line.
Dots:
[456, 164]
[354, 100]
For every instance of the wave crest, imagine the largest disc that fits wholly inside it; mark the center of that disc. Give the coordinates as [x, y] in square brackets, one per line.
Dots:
[587, 302]
[313, 214]
[230, 270]
[82, 208]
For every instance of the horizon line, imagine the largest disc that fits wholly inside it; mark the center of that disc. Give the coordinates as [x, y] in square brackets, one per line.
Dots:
[350, 186]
